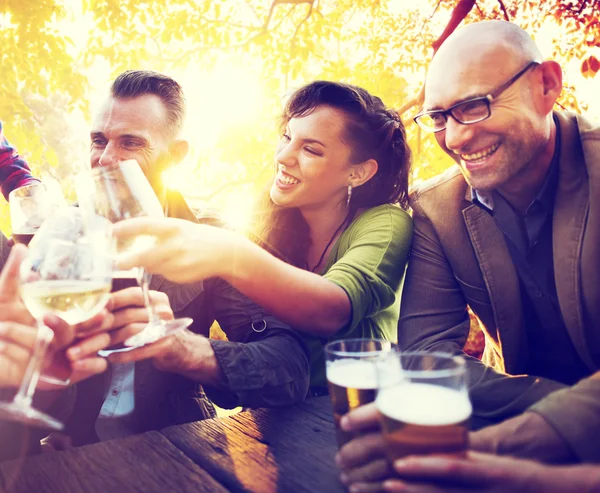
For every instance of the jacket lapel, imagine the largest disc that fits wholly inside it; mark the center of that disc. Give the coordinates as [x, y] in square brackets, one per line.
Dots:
[501, 281]
[568, 227]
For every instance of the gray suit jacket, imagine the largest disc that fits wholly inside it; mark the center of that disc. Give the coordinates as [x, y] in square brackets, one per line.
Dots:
[459, 258]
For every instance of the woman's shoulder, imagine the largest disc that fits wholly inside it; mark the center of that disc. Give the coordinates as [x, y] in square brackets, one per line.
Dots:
[380, 215]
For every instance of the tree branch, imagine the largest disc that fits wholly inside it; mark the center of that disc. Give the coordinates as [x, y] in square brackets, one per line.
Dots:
[504, 11]
[479, 9]
[411, 103]
[250, 6]
[294, 36]
[459, 13]
[462, 9]
[583, 5]
[428, 19]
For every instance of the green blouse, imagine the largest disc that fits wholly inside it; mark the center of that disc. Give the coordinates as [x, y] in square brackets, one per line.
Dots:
[368, 262]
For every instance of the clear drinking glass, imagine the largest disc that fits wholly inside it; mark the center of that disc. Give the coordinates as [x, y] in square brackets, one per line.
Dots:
[121, 191]
[30, 206]
[71, 224]
[351, 375]
[71, 279]
[423, 404]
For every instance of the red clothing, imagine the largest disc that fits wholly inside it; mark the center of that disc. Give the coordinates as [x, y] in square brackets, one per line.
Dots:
[14, 170]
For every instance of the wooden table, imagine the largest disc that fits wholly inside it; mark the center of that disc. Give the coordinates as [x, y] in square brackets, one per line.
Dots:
[287, 450]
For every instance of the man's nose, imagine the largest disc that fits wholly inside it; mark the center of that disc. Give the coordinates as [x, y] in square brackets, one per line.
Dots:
[457, 135]
[109, 156]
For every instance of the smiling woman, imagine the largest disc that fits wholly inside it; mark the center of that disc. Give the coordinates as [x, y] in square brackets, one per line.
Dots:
[334, 240]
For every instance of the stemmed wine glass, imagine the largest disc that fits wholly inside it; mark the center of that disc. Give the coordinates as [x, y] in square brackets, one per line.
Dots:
[121, 191]
[30, 206]
[70, 278]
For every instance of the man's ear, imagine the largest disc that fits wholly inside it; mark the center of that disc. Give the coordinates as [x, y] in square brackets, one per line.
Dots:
[363, 172]
[551, 74]
[178, 151]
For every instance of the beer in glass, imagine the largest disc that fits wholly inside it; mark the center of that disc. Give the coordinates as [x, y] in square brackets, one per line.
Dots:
[423, 404]
[351, 376]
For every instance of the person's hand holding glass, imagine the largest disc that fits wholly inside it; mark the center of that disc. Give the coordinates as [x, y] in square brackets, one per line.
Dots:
[352, 377]
[422, 408]
[66, 276]
[121, 191]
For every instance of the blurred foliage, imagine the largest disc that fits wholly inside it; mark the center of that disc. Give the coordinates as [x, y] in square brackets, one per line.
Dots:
[54, 52]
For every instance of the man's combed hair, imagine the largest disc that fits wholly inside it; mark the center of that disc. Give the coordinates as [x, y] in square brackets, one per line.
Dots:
[135, 83]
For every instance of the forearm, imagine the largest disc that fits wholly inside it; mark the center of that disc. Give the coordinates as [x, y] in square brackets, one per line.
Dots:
[306, 301]
[495, 395]
[193, 357]
[272, 372]
[574, 414]
[567, 479]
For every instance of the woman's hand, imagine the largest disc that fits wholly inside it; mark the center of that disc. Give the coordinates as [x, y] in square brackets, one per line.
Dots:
[184, 252]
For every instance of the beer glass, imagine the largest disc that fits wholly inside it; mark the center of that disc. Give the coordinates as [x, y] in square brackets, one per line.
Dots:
[30, 205]
[423, 404]
[351, 376]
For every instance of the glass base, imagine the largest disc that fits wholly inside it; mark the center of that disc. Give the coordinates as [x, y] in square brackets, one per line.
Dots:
[155, 332]
[55, 381]
[11, 411]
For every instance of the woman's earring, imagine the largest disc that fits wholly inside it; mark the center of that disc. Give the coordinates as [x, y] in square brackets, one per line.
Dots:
[349, 195]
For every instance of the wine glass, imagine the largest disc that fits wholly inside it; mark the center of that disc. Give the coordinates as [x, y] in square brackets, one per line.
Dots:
[30, 206]
[121, 191]
[71, 279]
[71, 224]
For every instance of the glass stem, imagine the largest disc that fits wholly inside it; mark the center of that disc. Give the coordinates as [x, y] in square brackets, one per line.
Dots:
[24, 396]
[144, 281]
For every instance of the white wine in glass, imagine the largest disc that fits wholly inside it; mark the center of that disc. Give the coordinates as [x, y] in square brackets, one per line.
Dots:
[121, 191]
[70, 279]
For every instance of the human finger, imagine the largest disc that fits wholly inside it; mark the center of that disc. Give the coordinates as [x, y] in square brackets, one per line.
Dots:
[145, 352]
[63, 332]
[360, 451]
[88, 346]
[373, 472]
[134, 316]
[455, 470]
[87, 367]
[16, 311]
[100, 322]
[9, 277]
[146, 226]
[366, 488]
[361, 419]
[119, 336]
[14, 333]
[134, 296]
[398, 486]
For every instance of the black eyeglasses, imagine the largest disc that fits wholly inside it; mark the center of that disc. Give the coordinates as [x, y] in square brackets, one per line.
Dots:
[466, 112]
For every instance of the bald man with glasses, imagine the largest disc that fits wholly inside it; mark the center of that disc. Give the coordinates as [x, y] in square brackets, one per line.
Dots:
[513, 233]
